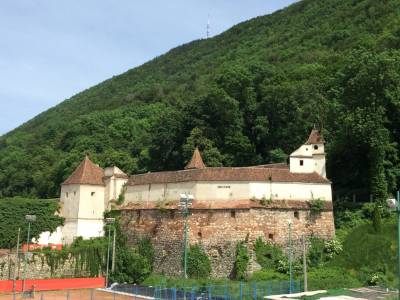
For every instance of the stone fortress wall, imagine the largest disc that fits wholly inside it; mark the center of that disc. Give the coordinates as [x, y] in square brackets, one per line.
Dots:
[219, 230]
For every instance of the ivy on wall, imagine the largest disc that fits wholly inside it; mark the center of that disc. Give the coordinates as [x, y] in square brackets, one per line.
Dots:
[12, 217]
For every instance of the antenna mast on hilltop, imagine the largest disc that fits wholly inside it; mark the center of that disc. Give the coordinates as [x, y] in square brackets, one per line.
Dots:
[208, 26]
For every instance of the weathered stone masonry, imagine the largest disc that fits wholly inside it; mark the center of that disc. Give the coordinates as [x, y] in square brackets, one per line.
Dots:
[218, 231]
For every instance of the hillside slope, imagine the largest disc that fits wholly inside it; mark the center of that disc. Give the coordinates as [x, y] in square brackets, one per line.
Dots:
[247, 96]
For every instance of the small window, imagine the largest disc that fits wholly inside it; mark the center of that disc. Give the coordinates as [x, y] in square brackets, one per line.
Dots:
[271, 236]
[296, 215]
[92, 193]
[199, 234]
[301, 162]
[233, 214]
[306, 149]
[171, 214]
[315, 147]
[66, 194]
[74, 193]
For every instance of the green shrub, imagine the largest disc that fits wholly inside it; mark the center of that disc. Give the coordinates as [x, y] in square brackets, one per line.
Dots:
[265, 275]
[377, 219]
[131, 267]
[348, 219]
[241, 261]
[198, 263]
[331, 278]
[146, 249]
[268, 255]
[316, 206]
[12, 217]
[321, 251]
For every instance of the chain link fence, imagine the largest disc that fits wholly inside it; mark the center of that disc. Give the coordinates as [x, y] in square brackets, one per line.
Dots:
[229, 291]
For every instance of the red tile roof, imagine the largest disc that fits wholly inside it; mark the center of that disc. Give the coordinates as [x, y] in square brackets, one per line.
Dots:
[315, 138]
[86, 173]
[227, 174]
[196, 162]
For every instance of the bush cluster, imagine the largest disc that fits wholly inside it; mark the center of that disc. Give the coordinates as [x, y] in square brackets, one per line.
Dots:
[198, 263]
[241, 261]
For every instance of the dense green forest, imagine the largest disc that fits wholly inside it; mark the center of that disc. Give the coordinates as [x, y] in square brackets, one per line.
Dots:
[247, 96]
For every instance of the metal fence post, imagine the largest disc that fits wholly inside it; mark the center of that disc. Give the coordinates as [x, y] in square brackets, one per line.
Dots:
[241, 290]
[255, 291]
[67, 295]
[91, 294]
[192, 293]
[209, 292]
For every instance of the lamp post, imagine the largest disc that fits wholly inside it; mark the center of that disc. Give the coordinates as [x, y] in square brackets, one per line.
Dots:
[395, 205]
[185, 201]
[29, 219]
[15, 266]
[290, 258]
[109, 221]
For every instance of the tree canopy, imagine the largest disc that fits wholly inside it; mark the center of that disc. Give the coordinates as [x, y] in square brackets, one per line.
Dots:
[247, 96]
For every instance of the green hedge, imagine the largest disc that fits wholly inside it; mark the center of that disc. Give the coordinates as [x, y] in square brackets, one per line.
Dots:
[12, 217]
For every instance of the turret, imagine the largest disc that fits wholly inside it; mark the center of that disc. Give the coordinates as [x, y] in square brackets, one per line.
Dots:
[310, 157]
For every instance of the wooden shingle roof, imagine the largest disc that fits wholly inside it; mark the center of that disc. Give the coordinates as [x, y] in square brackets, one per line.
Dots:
[196, 162]
[227, 174]
[315, 138]
[86, 173]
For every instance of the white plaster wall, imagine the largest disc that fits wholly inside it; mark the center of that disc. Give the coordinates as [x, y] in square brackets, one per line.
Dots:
[69, 199]
[91, 206]
[301, 191]
[69, 231]
[158, 192]
[46, 238]
[320, 165]
[307, 167]
[225, 190]
[222, 190]
[90, 228]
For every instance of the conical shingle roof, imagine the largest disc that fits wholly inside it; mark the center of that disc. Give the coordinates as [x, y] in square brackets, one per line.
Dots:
[315, 138]
[86, 173]
[196, 162]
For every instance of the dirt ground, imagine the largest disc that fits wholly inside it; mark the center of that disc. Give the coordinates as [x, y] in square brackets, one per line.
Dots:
[70, 295]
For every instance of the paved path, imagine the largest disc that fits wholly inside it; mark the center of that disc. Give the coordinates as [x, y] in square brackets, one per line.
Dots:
[374, 293]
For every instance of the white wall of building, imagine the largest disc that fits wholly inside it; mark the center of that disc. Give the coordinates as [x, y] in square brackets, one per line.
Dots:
[82, 208]
[290, 190]
[222, 190]
[159, 192]
[308, 159]
[225, 190]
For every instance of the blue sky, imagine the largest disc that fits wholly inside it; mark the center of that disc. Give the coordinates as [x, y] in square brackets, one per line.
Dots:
[50, 50]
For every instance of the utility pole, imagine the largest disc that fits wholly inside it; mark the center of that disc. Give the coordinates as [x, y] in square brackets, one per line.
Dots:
[290, 258]
[113, 256]
[185, 202]
[109, 221]
[305, 264]
[29, 218]
[394, 204]
[398, 242]
[15, 267]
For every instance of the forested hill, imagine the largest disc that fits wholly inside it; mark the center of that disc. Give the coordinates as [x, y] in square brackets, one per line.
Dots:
[248, 96]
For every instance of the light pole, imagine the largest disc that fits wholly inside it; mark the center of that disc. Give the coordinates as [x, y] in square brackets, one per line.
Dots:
[30, 219]
[15, 265]
[290, 258]
[109, 221]
[395, 205]
[185, 201]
